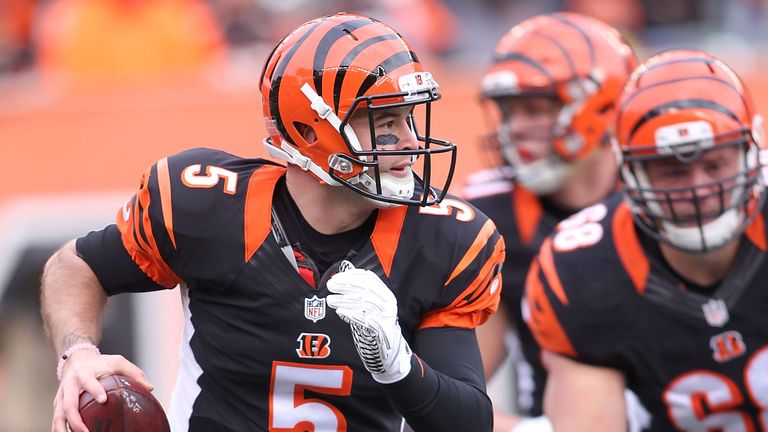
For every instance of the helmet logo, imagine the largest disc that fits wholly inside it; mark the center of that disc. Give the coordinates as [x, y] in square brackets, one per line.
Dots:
[416, 84]
[698, 133]
[500, 82]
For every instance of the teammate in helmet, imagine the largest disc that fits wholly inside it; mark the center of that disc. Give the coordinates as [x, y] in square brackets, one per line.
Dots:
[310, 297]
[663, 290]
[550, 93]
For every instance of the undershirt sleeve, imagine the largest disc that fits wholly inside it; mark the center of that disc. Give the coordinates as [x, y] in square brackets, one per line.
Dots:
[445, 389]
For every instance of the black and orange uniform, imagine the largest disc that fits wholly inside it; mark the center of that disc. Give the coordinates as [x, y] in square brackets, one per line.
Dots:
[697, 357]
[261, 351]
[524, 220]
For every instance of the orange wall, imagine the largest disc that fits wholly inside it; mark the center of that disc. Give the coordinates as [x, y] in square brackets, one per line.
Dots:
[103, 141]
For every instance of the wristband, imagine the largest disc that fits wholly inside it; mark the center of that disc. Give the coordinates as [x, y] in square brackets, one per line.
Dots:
[73, 348]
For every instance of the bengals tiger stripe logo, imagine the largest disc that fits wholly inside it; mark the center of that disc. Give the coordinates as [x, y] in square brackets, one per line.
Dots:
[313, 345]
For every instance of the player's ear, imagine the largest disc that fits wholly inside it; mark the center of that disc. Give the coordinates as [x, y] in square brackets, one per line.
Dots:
[307, 132]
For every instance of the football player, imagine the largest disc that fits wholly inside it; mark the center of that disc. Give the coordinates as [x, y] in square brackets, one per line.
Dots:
[338, 293]
[663, 290]
[550, 93]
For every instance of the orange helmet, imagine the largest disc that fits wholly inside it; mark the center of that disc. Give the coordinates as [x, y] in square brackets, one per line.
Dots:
[678, 104]
[323, 71]
[579, 60]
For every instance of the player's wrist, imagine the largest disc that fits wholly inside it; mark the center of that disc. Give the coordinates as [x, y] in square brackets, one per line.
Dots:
[70, 351]
[533, 424]
[398, 366]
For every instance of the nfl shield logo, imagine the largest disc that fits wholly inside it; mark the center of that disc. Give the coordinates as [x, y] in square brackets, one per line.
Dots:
[314, 308]
[715, 312]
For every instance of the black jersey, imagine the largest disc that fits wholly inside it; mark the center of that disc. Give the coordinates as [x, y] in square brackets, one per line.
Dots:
[599, 292]
[524, 221]
[261, 350]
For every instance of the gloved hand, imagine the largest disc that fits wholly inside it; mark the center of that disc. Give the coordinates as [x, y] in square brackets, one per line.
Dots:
[361, 299]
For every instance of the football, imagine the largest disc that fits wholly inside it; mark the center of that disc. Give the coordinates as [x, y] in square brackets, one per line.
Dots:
[129, 408]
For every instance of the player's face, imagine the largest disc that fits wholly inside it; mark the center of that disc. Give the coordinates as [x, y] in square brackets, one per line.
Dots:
[392, 131]
[706, 183]
[528, 120]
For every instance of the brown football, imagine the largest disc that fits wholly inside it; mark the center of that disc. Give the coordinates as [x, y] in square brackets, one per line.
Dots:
[129, 408]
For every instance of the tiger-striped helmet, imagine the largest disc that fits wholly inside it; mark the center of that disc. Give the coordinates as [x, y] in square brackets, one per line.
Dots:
[580, 61]
[319, 75]
[677, 105]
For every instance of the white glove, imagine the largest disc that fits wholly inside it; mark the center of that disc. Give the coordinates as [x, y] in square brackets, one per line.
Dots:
[361, 299]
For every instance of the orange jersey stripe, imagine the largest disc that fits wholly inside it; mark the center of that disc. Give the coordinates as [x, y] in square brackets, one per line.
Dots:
[477, 302]
[164, 181]
[386, 235]
[138, 204]
[547, 262]
[164, 271]
[628, 247]
[482, 238]
[145, 254]
[528, 213]
[756, 233]
[543, 321]
[258, 205]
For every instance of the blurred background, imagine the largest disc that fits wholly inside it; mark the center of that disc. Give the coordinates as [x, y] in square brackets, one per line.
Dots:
[94, 91]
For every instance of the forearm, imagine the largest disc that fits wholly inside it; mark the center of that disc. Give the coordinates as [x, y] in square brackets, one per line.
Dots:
[581, 397]
[431, 400]
[72, 300]
[491, 336]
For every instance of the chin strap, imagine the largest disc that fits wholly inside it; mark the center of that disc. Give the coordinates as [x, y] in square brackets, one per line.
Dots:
[292, 155]
[326, 113]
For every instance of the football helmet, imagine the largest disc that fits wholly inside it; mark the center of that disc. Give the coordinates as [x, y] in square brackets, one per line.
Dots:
[576, 59]
[325, 70]
[679, 104]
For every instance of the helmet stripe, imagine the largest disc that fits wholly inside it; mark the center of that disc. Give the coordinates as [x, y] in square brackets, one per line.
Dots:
[672, 81]
[582, 33]
[711, 64]
[516, 56]
[393, 62]
[561, 48]
[680, 104]
[274, 93]
[326, 42]
[339, 80]
[705, 60]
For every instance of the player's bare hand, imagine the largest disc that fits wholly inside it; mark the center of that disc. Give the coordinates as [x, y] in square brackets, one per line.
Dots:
[80, 374]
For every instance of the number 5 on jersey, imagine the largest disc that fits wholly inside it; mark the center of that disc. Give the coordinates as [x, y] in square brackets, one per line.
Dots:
[191, 177]
[290, 410]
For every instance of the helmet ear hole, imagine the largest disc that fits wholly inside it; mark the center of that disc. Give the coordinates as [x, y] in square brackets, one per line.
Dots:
[306, 131]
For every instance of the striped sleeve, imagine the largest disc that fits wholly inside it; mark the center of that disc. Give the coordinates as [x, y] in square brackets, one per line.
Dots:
[543, 288]
[475, 281]
[146, 225]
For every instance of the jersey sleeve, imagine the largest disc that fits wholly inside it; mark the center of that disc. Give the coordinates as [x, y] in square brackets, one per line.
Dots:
[104, 253]
[575, 301]
[186, 222]
[146, 225]
[473, 287]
